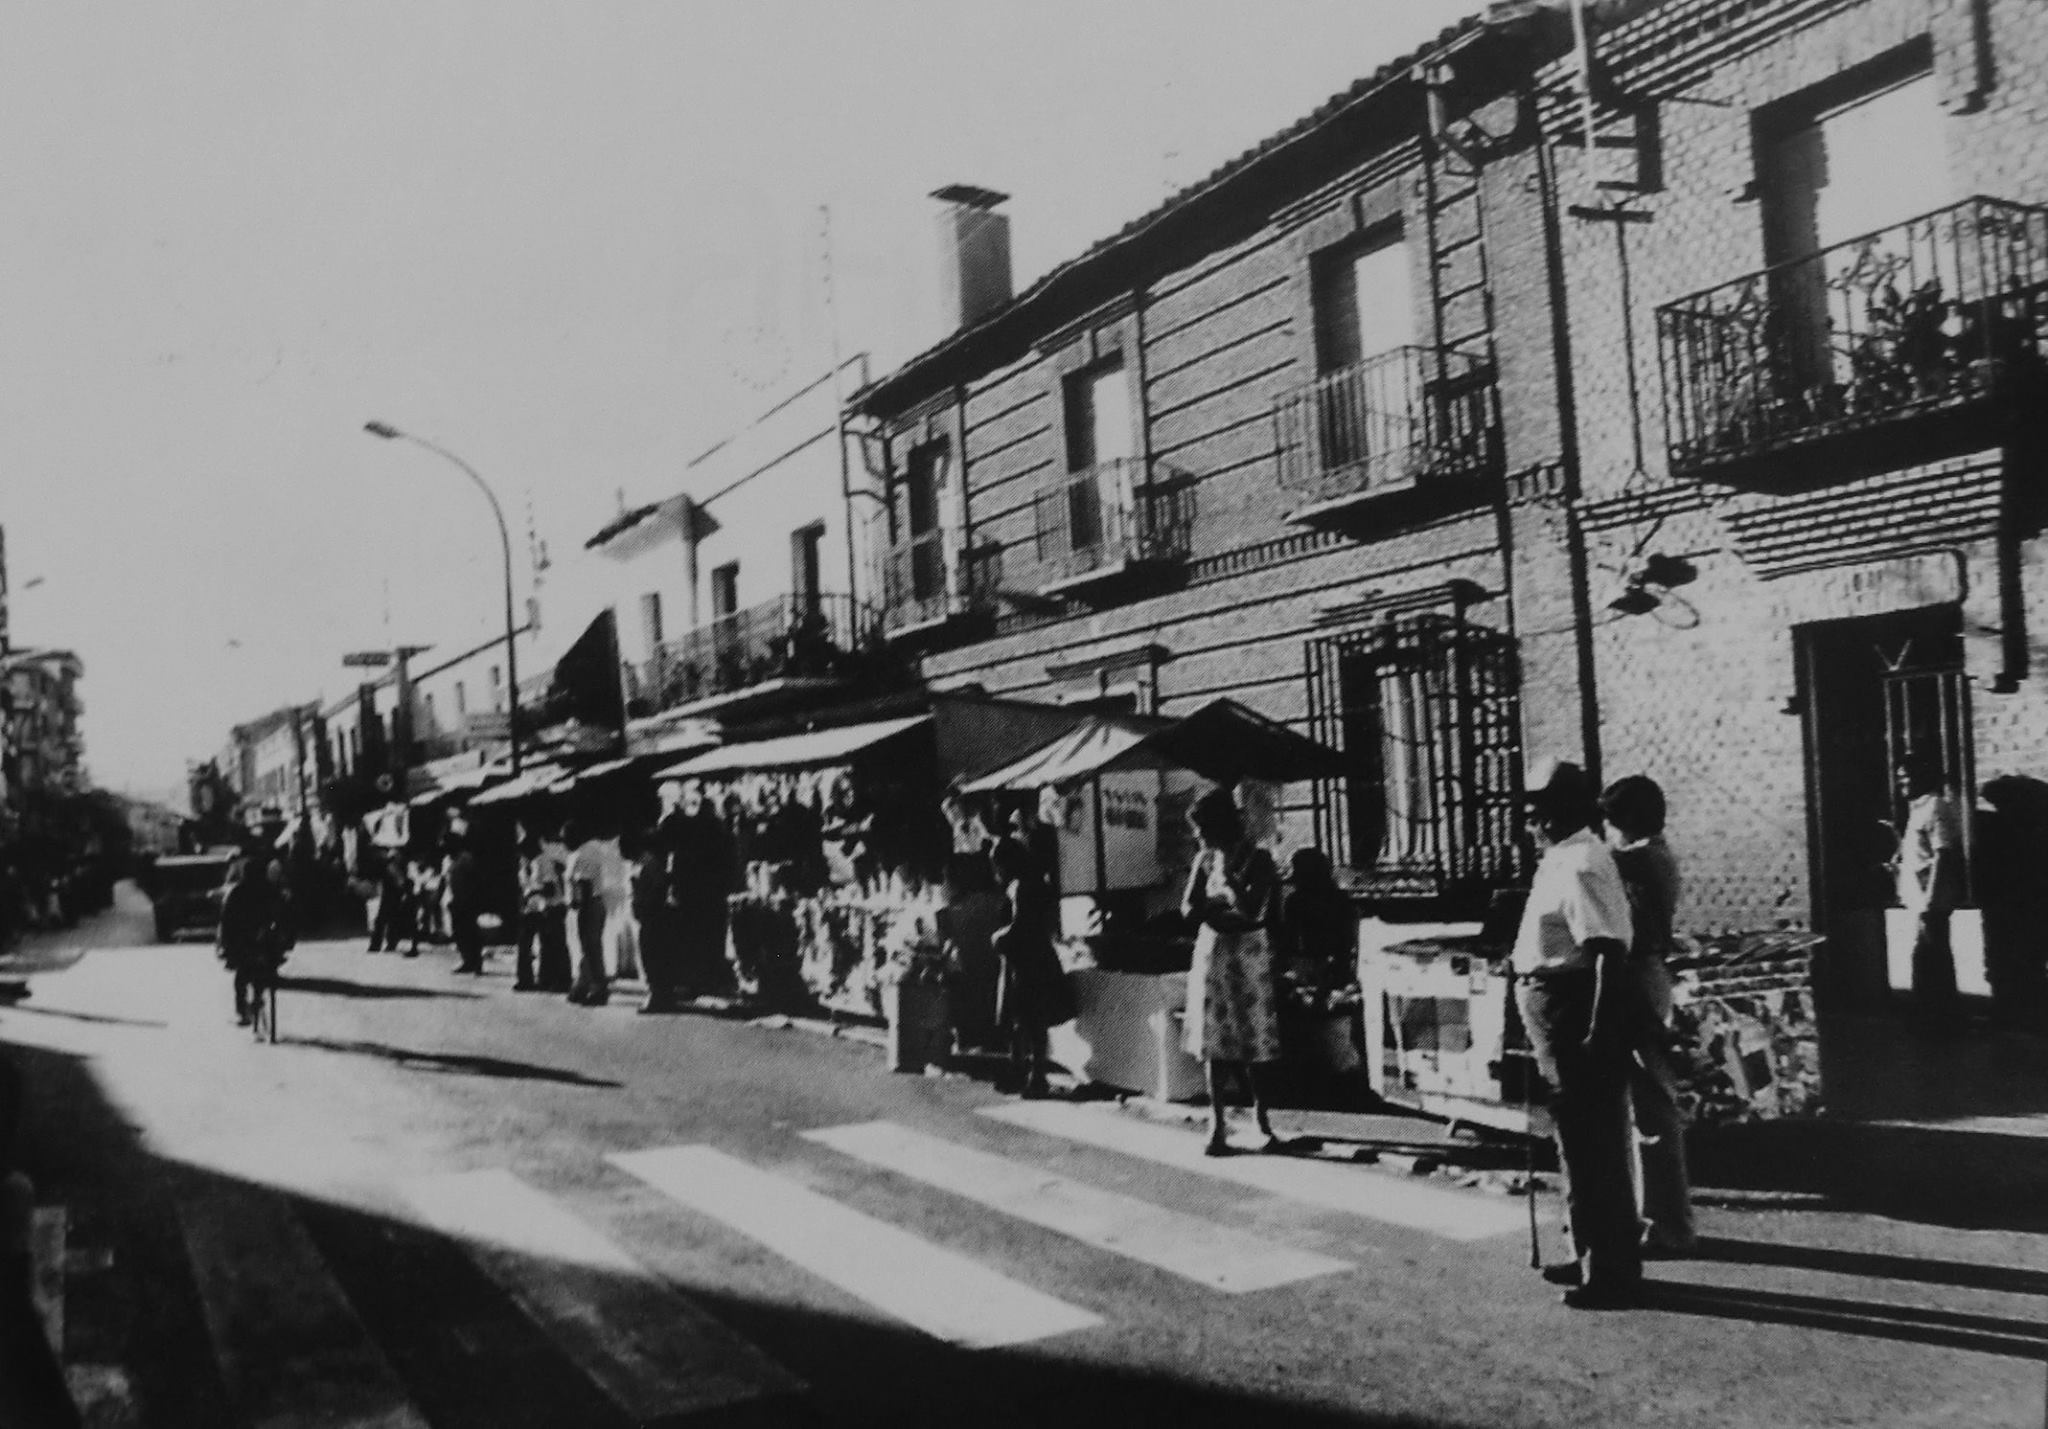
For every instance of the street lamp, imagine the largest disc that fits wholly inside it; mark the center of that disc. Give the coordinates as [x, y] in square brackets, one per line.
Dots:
[391, 433]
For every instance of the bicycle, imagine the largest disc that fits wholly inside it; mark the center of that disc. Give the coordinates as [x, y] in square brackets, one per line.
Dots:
[263, 1002]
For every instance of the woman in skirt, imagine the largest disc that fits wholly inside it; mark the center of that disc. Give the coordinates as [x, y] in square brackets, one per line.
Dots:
[1233, 1015]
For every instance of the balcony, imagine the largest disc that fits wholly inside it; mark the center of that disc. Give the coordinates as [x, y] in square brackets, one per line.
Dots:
[1394, 423]
[928, 583]
[1114, 519]
[1897, 343]
[817, 639]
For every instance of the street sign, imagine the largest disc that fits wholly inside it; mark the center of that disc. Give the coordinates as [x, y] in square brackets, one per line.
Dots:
[367, 659]
[488, 724]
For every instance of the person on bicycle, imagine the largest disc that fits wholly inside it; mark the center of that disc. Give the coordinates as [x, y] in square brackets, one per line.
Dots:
[254, 931]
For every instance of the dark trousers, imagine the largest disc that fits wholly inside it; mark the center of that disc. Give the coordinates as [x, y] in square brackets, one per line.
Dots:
[390, 924]
[1934, 968]
[702, 924]
[660, 957]
[467, 937]
[543, 950]
[1589, 1108]
[591, 983]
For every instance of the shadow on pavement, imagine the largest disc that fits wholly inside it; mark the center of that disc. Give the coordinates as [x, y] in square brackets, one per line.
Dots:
[1940, 1176]
[101, 1018]
[1951, 1329]
[470, 1357]
[459, 1062]
[371, 991]
[2009, 1279]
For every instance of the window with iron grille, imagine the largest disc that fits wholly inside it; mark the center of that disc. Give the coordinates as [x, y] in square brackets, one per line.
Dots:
[1424, 708]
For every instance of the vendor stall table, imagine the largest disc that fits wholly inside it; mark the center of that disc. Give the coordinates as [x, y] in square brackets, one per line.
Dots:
[1126, 1034]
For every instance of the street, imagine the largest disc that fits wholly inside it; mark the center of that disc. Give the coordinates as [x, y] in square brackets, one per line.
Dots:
[435, 1202]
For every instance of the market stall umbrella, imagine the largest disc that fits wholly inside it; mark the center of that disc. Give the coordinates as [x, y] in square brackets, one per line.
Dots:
[1226, 742]
[1222, 741]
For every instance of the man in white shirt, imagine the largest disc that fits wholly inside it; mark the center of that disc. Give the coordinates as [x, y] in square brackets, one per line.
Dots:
[1571, 983]
[1930, 879]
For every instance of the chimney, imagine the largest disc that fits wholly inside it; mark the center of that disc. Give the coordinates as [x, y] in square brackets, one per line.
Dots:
[974, 254]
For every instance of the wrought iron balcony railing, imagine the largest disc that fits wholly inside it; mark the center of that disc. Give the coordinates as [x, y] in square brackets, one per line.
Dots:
[1112, 517]
[1407, 415]
[792, 636]
[1932, 315]
[928, 580]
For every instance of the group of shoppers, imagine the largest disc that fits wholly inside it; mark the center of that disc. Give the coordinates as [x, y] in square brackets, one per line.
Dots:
[676, 877]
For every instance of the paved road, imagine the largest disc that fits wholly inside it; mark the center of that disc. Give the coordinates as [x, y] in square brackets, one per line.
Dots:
[438, 1203]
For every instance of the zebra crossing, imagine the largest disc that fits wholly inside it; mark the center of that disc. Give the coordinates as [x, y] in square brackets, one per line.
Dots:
[292, 1349]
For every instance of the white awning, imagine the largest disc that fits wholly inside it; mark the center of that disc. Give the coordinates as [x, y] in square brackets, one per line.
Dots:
[1222, 741]
[793, 751]
[538, 780]
[1088, 748]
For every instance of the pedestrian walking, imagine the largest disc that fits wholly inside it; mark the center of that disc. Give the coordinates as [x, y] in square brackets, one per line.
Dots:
[543, 913]
[1032, 995]
[654, 919]
[585, 876]
[1634, 812]
[389, 925]
[1570, 964]
[254, 930]
[1233, 1012]
[699, 849]
[967, 922]
[465, 903]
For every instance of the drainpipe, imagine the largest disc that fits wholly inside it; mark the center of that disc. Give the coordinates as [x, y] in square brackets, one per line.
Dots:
[1568, 447]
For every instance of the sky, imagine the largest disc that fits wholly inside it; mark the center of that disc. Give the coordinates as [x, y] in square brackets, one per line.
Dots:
[575, 243]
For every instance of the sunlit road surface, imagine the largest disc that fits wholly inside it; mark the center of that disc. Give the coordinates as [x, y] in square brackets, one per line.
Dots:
[438, 1202]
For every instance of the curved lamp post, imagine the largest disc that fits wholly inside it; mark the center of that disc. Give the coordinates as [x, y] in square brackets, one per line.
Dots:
[391, 433]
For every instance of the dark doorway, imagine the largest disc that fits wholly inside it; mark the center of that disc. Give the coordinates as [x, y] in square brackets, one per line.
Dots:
[1877, 689]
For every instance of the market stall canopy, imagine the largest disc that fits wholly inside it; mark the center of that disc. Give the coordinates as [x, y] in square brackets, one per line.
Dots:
[794, 751]
[1099, 743]
[629, 765]
[538, 780]
[1222, 741]
[455, 786]
[1226, 742]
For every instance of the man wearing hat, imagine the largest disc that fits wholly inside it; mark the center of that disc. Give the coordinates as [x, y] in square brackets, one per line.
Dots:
[1570, 980]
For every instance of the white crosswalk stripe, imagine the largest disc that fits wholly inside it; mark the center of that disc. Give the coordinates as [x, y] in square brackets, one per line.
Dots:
[647, 1347]
[1455, 1215]
[939, 1291]
[1183, 1245]
[290, 1347]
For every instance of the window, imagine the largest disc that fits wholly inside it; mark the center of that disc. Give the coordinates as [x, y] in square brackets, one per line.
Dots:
[919, 499]
[1857, 157]
[432, 726]
[806, 565]
[1099, 440]
[650, 622]
[461, 699]
[725, 590]
[1364, 332]
[1424, 709]
[497, 695]
[1363, 306]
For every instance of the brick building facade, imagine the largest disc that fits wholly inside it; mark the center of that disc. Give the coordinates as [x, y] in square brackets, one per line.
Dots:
[1697, 446]
[1253, 446]
[1824, 408]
